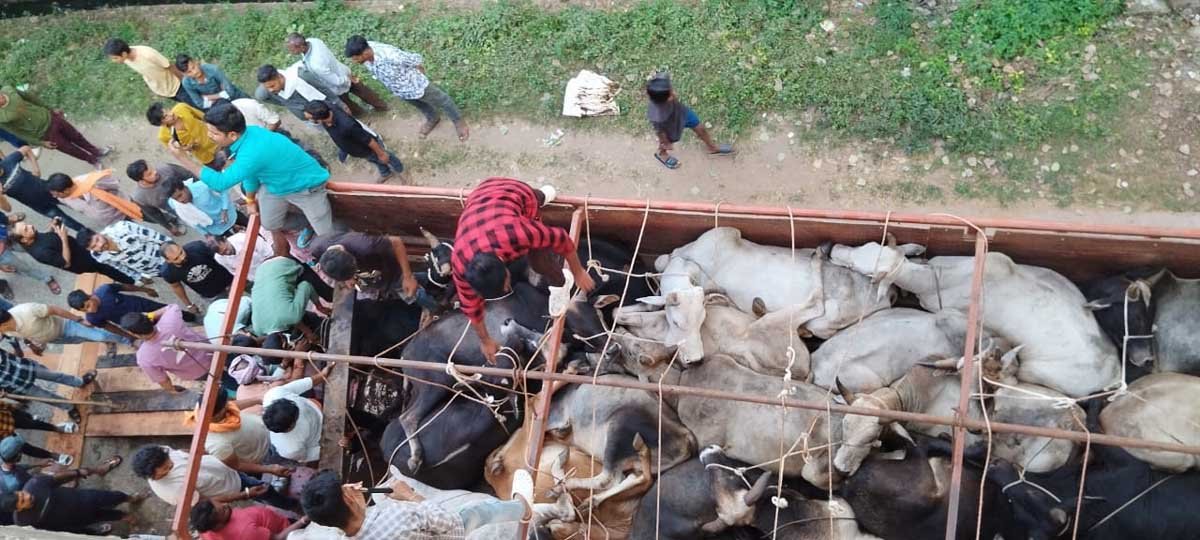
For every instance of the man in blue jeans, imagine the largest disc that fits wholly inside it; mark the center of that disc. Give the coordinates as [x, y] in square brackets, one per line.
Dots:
[40, 324]
[18, 375]
[353, 138]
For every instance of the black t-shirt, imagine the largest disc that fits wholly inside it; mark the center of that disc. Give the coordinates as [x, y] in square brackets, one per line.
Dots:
[349, 135]
[23, 186]
[57, 508]
[372, 254]
[47, 249]
[200, 271]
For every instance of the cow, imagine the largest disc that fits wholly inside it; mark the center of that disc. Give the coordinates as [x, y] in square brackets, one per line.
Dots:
[1177, 324]
[883, 347]
[437, 279]
[1163, 407]
[612, 511]
[605, 421]
[753, 432]
[802, 518]
[935, 392]
[1122, 307]
[379, 325]
[1064, 348]
[455, 443]
[1123, 498]
[524, 308]
[819, 298]
[767, 344]
[699, 498]
[908, 498]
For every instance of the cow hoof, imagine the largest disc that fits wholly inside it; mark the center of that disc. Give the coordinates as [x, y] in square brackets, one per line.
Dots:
[825, 250]
[414, 464]
[759, 307]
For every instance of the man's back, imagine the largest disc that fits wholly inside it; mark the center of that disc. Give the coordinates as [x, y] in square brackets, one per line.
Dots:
[263, 157]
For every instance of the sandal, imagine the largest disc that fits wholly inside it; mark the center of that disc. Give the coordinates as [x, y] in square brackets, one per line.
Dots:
[669, 162]
[6, 289]
[65, 460]
[463, 131]
[723, 150]
[54, 287]
[67, 427]
[112, 463]
[89, 377]
[102, 529]
[75, 415]
[427, 127]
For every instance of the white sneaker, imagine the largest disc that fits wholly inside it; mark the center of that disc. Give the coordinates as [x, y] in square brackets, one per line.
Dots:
[550, 194]
[67, 427]
[560, 297]
[522, 485]
[65, 460]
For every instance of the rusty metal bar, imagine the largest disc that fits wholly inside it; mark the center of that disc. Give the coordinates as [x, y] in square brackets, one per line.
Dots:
[774, 211]
[967, 375]
[537, 427]
[903, 416]
[179, 523]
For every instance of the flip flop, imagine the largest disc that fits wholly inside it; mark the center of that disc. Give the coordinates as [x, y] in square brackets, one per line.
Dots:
[54, 287]
[111, 464]
[723, 150]
[89, 377]
[463, 131]
[6, 290]
[75, 415]
[427, 128]
[669, 162]
[305, 238]
[65, 460]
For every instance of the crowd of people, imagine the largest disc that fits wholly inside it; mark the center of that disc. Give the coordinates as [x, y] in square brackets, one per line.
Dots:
[232, 158]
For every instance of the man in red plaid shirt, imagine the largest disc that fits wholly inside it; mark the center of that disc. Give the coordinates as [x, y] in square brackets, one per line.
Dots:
[501, 223]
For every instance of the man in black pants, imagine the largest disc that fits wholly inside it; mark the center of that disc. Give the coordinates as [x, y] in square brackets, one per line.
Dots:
[61, 250]
[44, 503]
[29, 189]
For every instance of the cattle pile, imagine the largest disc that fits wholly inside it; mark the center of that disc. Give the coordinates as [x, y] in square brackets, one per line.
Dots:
[873, 326]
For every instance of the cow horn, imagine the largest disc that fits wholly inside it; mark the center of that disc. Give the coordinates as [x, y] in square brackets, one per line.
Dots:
[948, 364]
[1139, 289]
[429, 237]
[845, 392]
[890, 239]
[758, 490]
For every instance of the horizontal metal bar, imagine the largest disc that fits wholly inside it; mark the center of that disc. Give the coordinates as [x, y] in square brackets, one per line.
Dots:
[997, 427]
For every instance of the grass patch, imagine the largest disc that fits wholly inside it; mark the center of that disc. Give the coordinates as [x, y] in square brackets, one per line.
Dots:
[992, 75]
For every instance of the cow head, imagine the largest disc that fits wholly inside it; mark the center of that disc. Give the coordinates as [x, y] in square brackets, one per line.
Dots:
[860, 434]
[438, 259]
[1039, 514]
[735, 502]
[684, 311]
[1123, 303]
[881, 263]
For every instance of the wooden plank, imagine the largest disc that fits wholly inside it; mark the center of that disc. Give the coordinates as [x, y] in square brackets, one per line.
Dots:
[132, 379]
[50, 360]
[141, 424]
[334, 407]
[119, 360]
[147, 401]
[75, 360]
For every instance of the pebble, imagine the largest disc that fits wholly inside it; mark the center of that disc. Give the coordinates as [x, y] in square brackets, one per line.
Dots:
[780, 156]
[989, 162]
[945, 160]
[817, 164]
[852, 160]
[764, 136]
[1127, 209]
[1192, 172]
[1074, 148]
[1185, 150]
[971, 161]
[1054, 167]
[828, 26]
[695, 190]
[861, 182]
[967, 173]
[1187, 189]
[1045, 148]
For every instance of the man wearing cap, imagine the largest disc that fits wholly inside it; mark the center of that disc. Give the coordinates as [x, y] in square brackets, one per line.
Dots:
[44, 503]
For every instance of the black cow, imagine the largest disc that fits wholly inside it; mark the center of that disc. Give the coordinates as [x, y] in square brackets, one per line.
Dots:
[700, 497]
[460, 439]
[907, 499]
[429, 390]
[380, 324]
[589, 318]
[1123, 497]
[1126, 297]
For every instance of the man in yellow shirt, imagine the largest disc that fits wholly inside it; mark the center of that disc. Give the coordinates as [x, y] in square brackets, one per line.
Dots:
[163, 78]
[185, 124]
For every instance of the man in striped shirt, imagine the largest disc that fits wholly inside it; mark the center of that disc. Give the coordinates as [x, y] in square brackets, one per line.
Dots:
[500, 223]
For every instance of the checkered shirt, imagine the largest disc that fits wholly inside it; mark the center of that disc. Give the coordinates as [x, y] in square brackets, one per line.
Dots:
[138, 252]
[391, 519]
[16, 373]
[501, 217]
[397, 70]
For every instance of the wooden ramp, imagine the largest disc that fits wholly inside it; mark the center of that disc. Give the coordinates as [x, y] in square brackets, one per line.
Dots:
[140, 408]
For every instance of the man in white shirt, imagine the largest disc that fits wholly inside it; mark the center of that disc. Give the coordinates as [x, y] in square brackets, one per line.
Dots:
[228, 251]
[321, 63]
[295, 421]
[292, 88]
[166, 468]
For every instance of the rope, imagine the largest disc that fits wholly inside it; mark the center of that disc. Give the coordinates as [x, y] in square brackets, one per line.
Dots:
[1130, 501]
[658, 485]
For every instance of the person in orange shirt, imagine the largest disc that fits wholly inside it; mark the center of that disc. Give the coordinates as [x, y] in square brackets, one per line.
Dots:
[184, 124]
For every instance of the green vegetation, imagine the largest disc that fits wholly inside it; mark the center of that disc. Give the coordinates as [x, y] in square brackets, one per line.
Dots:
[990, 75]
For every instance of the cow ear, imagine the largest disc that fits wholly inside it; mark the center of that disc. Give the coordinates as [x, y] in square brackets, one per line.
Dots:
[605, 301]
[912, 250]
[1099, 304]
[661, 262]
[653, 300]
[672, 299]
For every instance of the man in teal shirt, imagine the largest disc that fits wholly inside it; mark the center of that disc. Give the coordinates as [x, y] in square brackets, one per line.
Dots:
[274, 172]
[281, 293]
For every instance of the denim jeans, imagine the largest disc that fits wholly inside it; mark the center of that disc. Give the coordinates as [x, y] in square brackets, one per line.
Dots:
[486, 513]
[11, 139]
[23, 266]
[43, 373]
[435, 98]
[74, 333]
[70, 222]
[271, 497]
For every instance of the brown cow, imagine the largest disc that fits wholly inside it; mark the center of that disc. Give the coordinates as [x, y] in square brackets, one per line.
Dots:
[614, 507]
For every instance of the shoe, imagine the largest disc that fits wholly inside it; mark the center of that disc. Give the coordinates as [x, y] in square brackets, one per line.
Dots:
[522, 485]
[65, 460]
[67, 427]
[106, 151]
[550, 194]
[6, 290]
[75, 415]
[305, 238]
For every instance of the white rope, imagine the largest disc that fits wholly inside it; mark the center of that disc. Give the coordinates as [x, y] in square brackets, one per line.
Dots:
[1131, 501]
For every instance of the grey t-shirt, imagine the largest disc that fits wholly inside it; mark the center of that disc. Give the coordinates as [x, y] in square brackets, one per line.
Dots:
[668, 117]
[157, 195]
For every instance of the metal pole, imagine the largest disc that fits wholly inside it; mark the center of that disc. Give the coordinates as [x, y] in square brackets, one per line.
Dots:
[775, 211]
[902, 416]
[537, 427]
[213, 385]
[967, 375]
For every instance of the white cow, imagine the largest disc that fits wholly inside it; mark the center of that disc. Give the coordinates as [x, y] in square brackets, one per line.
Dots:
[767, 344]
[1162, 407]
[820, 298]
[1064, 348]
